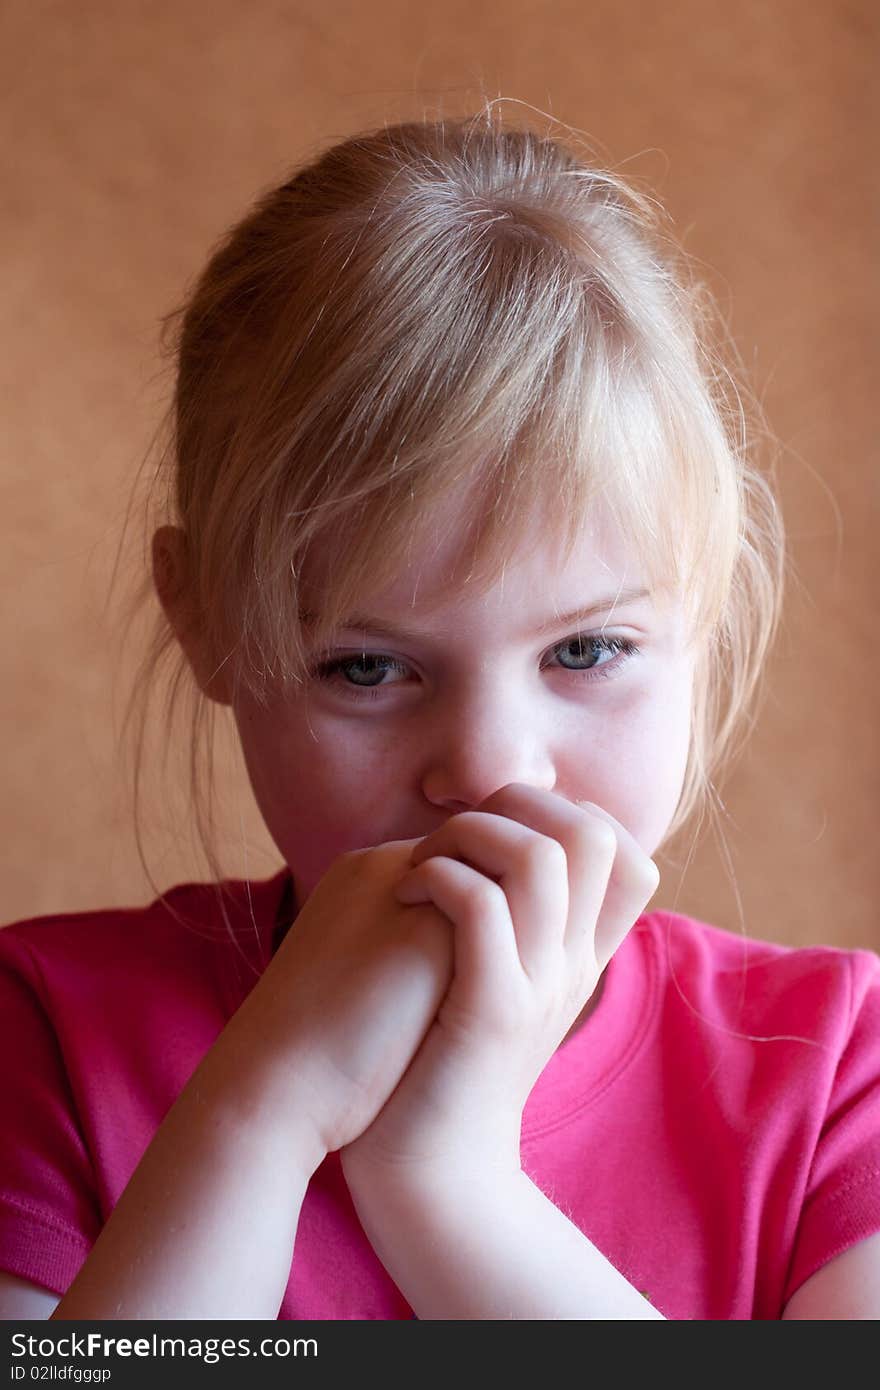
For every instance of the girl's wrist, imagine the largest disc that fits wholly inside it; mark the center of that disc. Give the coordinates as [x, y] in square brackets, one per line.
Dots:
[265, 1091]
[374, 1179]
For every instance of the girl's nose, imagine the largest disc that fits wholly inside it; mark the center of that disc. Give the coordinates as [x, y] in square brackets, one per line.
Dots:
[470, 753]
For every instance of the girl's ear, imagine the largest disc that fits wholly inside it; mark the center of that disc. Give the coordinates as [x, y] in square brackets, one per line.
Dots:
[172, 581]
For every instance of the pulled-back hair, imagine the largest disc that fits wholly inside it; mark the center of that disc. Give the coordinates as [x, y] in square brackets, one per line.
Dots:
[442, 304]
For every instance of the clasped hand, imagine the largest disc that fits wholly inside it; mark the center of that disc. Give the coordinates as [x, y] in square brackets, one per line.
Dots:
[539, 893]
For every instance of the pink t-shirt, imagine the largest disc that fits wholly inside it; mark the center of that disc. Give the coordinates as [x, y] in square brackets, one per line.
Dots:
[716, 1172]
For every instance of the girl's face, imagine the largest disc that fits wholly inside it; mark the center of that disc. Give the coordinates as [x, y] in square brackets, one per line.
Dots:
[440, 698]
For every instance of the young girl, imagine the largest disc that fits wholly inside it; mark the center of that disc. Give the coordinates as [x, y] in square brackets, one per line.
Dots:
[465, 539]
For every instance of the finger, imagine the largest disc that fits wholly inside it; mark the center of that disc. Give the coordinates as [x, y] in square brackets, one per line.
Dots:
[616, 866]
[484, 941]
[633, 881]
[530, 869]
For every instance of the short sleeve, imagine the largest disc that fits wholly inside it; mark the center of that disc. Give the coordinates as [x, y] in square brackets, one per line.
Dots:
[49, 1216]
[842, 1205]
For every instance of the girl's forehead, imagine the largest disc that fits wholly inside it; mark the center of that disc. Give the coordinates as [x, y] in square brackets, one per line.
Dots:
[442, 567]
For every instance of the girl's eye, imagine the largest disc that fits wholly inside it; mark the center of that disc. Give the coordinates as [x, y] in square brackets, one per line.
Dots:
[583, 648]
[363, 674]
[368, 665]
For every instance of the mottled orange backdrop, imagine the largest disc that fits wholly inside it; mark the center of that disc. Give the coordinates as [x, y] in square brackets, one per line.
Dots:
[133, 134]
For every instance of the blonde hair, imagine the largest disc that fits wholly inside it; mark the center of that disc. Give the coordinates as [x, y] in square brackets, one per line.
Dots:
[441, 304]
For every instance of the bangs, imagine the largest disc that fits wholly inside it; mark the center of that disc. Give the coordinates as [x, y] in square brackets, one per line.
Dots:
[451, 338]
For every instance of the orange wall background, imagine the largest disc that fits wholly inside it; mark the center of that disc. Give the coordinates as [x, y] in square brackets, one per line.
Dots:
[134, 134]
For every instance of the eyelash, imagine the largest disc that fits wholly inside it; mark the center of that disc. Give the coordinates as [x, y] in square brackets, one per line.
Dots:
[621, 648]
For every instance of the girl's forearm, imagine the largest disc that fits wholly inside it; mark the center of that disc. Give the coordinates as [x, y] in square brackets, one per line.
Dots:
[489, 1247]
[206, 1226]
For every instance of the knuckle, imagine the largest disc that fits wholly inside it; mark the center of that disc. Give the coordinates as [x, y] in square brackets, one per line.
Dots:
[652, 875]
[367, 864]
[497, 798]
[347, 862]
[546, 855]
[360, 859]
[352, 855]
[484, 895]
[600, 837]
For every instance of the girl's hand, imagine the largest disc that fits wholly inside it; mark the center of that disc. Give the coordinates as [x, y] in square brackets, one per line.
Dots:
[540, 893]
[340, 1011]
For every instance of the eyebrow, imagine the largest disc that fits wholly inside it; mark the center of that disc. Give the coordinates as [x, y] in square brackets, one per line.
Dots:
[622, 599]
